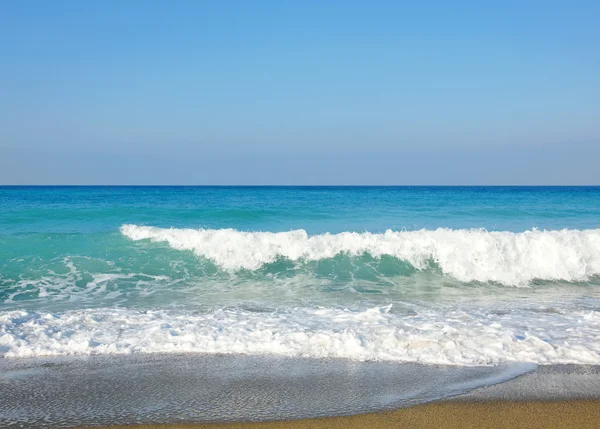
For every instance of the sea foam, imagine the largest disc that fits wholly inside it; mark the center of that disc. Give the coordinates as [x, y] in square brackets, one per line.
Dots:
[468, 255]
[430, 336]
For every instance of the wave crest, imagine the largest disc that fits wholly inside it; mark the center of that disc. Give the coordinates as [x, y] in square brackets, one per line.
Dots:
[512, 259]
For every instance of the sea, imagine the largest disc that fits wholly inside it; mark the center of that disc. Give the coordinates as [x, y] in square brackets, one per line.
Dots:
[461, 276]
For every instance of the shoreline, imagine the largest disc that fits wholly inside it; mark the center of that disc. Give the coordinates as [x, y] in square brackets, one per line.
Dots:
[448, 414]
[554, 397]
[225, 391]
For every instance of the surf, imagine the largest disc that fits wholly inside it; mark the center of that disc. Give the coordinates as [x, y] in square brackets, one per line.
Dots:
[467, 255]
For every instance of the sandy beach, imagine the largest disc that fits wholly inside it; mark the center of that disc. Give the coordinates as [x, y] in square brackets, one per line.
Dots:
[550, 397]
[450, 414]
[184, 391]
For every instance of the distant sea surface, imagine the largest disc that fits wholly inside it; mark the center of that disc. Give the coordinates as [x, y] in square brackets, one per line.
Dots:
[434, 275]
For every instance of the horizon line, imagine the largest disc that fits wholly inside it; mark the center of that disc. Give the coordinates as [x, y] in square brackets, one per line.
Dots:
[292, 186]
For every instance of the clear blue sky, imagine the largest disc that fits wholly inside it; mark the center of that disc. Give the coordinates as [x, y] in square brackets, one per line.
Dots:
[299, 92]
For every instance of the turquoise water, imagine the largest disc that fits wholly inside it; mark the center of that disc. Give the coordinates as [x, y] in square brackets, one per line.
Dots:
[315, 209]
[384, 273]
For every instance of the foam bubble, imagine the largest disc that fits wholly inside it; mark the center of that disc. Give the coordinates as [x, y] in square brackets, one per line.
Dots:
[513, 259]
[76, 284]
[429, 336]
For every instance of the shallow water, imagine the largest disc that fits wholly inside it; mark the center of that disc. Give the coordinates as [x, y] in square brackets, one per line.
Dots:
[88, 391]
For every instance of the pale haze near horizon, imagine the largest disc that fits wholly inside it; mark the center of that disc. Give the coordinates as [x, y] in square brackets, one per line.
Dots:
[299, 93]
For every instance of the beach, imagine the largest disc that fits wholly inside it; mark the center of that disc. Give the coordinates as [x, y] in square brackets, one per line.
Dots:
[550, 397]
[451, 415]
[232, 391]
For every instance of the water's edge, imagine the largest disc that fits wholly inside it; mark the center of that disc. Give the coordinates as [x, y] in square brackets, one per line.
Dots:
[102, 390]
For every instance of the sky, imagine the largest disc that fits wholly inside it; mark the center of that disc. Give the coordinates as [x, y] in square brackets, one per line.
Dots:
[300, 92]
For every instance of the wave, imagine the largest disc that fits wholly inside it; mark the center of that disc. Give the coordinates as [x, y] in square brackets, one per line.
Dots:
[430, 336]
[467, 255]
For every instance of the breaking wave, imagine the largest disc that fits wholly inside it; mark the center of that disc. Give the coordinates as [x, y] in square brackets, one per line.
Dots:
[467, 255]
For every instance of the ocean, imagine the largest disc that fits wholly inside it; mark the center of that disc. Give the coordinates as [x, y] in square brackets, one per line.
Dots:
[463, 276]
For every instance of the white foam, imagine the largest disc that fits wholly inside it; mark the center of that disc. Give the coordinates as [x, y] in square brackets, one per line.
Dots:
[52, 286]
[450, 336]
[508, 258]
[432, 337]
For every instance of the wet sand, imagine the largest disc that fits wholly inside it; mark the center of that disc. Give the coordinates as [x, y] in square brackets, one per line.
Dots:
[55, 393]
[558, 396]
[450, 414]
[171, 391]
